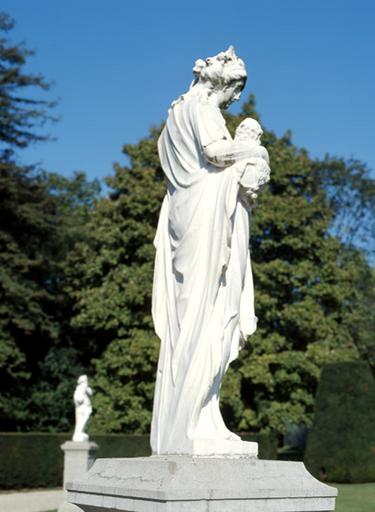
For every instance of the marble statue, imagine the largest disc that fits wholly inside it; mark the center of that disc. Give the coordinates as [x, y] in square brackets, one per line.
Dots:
[83, 407]
[203, 297]
[203, 310]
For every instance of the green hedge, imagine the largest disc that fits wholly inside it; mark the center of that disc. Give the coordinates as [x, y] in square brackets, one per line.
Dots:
[267, 444]
[36, 460]
[341, 444]
[31, 460]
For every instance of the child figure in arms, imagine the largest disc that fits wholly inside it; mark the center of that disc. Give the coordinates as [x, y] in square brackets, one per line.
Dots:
[248, 141]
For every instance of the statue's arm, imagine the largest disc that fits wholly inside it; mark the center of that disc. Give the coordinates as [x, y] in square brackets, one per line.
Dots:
[217, 145]
[225, 152]
[80, 395]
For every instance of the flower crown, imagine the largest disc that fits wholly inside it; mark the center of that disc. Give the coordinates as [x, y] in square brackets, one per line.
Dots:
[223, 67]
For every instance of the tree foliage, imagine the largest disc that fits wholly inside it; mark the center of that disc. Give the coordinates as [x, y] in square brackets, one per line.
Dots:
[351, 195]
[109, 278]
[302, 295]
[21, 114]
[303, 286]
[27, 229]
[340, 445]
[361, 314]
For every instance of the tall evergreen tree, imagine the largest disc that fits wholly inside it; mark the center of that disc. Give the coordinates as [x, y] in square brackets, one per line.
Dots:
[26, 229]
[41, 215]
[22, 116]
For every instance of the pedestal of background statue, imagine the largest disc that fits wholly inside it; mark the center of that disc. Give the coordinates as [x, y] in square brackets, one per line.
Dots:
[78, 458]
[200, 484]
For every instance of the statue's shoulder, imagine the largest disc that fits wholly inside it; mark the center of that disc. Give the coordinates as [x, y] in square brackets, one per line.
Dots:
[195, 99]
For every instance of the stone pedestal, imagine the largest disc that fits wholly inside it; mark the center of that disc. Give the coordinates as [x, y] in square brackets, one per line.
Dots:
[78, 458]
[200, 484]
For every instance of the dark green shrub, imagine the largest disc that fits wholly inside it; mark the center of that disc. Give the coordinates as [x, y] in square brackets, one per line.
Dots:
[36, 460]
[120, 445]
[31, 460]
[341, 443]
[267, 444]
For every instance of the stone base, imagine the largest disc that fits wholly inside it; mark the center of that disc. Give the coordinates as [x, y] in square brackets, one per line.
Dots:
[200, 484]
[78, 458]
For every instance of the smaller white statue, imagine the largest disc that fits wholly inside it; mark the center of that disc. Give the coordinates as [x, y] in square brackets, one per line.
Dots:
[83, 407]
[254, 177]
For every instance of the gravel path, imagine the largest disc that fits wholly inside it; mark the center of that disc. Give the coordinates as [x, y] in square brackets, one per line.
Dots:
[31, 501]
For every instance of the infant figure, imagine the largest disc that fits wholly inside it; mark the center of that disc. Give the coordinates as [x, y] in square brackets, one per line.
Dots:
[248, 142]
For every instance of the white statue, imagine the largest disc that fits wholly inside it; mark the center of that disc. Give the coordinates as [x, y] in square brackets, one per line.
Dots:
[203, 298]
[83, 407]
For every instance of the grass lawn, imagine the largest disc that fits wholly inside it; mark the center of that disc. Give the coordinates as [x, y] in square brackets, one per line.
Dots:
[355, 497]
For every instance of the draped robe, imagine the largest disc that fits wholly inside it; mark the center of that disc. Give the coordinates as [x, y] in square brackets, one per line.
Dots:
[203, 289]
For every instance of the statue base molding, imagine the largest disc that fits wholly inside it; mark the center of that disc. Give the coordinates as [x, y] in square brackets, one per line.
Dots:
[181, 483]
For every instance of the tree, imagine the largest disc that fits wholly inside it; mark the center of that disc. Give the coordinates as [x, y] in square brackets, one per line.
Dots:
[109, 278]
[340, 445]
[304, 292]
[21, 115]
[26, 214]
[302, 295]
[41, 217]
[49, 403]
[351, 194]
[361, 314]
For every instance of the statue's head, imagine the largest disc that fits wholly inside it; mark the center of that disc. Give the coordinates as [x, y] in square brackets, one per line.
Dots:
[249, 129]
[224, 73]
[82, 379]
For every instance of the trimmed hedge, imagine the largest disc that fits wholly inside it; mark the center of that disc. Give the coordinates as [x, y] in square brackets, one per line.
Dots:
[267, 444]
[36, 460]
[341, 444]
[31, 460]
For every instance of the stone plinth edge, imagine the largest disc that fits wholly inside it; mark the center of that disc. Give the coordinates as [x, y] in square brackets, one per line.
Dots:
[189, 484]
[79, 446]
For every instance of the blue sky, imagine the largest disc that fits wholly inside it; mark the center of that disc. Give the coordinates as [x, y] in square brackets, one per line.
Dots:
[117, 66]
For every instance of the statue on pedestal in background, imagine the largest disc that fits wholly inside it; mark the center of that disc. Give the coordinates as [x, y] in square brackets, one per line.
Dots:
[83, 407]
[79, 454]
[203, 298]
